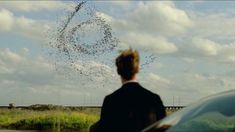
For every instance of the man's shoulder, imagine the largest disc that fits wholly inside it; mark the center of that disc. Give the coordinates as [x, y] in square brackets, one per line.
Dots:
[132, 88]
[150, 93]
[113, 94]
[145, 90]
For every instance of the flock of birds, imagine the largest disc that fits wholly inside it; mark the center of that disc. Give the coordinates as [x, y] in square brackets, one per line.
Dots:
[84, 43]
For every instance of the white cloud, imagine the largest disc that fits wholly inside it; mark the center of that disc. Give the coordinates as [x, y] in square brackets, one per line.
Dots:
[6, 20]
[188, 60]
[30, 27]
[159, 85]
[155, 18]
[158, 65]
[107, 18]
[120, 3]
[155, 44]
[210, 39]
[100, 72]
[210, 84]
[204, 36]
[186, 88]
[26, 79]
[205, 46]
[28, 6]
[22, 25]
[158, 79]
[218, 25]
[148, 25]
[206, 49]
[10, 57]
[155, 83]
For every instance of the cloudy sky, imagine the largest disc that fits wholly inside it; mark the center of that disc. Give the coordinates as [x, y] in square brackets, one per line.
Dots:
[193, 41]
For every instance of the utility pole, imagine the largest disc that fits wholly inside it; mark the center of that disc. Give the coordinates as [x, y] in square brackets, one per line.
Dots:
[179, 100]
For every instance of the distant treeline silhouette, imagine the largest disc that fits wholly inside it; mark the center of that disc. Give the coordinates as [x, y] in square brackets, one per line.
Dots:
[43, 107]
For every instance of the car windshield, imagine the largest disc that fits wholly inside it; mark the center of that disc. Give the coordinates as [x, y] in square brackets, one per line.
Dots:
[215, 113]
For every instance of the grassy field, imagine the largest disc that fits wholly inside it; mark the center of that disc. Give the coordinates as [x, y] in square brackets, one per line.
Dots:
[50, 118]
[53, 120]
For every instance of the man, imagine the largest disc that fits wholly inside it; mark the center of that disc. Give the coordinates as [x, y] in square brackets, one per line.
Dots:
[131, 108]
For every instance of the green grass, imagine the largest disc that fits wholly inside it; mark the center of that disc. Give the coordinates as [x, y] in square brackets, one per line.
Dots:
[49, 119]
[53, 120]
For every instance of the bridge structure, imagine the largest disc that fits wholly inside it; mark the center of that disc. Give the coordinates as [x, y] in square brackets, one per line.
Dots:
[174, 107]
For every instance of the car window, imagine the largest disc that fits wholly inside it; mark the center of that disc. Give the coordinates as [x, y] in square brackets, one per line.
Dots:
[215, 113]
[211, 121]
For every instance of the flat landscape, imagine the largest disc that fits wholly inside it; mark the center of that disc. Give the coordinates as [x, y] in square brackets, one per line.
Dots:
[50, 118]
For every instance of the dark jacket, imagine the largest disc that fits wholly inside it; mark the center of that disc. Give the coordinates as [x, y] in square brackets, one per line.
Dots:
[129, 109]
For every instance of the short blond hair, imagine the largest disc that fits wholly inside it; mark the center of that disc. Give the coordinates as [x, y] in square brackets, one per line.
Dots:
[128, 63]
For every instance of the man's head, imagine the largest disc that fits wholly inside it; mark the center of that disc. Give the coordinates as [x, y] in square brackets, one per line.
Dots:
[128, 64]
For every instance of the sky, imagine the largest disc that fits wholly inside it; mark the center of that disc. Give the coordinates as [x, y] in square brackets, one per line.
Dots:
[193, 42]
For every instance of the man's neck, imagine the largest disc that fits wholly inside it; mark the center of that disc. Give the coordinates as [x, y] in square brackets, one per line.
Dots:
[124, 81]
